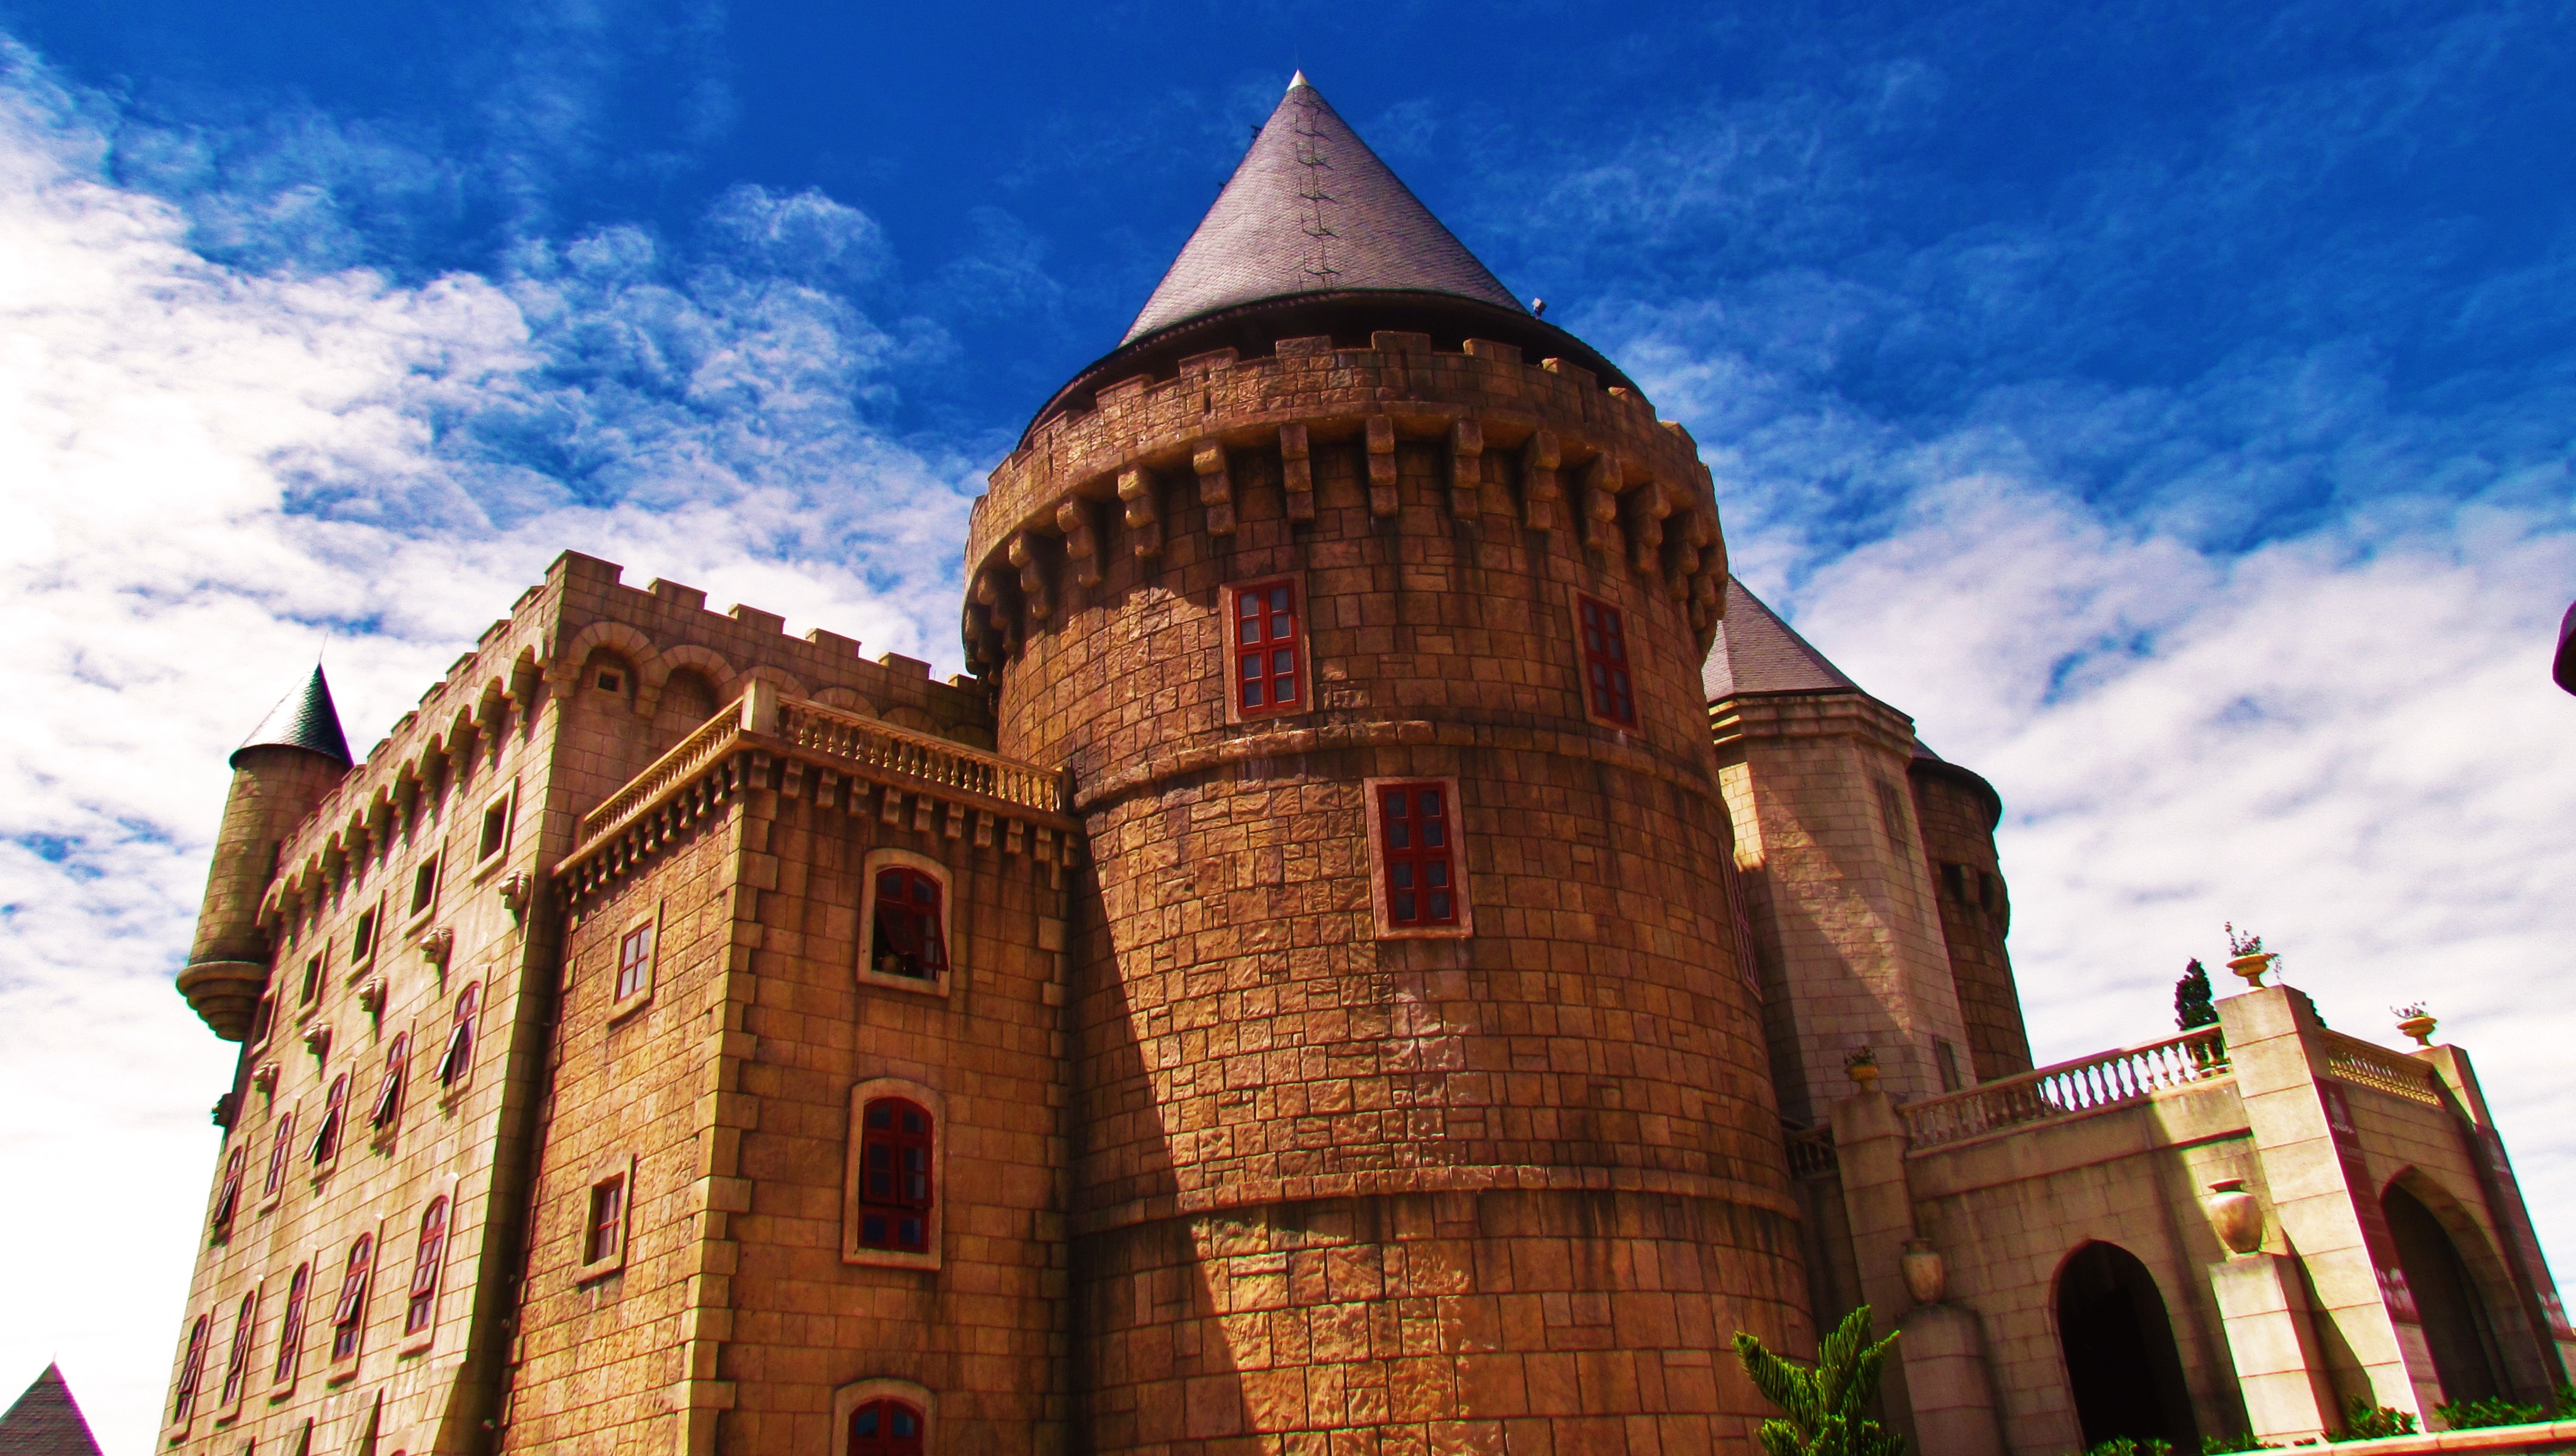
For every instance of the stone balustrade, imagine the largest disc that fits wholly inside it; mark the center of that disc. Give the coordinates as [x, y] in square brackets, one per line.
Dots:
[2086, 1084]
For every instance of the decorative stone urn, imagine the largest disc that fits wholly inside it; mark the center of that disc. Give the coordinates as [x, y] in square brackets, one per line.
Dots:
[2234, 1215]
[1862, 1067]
[1926, 1277]
[2252, 967]
[2413, 1021]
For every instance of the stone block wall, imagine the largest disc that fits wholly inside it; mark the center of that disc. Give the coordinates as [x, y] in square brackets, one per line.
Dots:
[1957, 813]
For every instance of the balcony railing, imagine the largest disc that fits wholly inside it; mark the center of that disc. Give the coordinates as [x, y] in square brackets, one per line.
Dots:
[2370, 1065]
[2087, 1084]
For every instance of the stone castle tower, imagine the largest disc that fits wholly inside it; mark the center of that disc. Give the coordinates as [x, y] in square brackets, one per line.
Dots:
[1313, 988]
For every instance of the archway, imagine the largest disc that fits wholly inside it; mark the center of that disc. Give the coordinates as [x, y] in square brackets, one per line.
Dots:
[2119, 1347]
[2456, 1323]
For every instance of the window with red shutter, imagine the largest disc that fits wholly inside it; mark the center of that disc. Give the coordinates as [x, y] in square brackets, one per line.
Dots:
[281, 1145]
[290, 1327]
[460, 1038]
[349, 1317]
[335, 1111]
[908, 939]
[885, 1428]
[424, 1268]
[634, 961]
[894, 1176]
[1414, 843]
[1266, 668]
[1606, 686]
[389, 1095]
[228, 1197]
[237, 1356]
[192, 1368]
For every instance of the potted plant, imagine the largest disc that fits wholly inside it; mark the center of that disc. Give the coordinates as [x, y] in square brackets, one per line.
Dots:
[1862, 1067]
[2416, 1022]
[2246, 956]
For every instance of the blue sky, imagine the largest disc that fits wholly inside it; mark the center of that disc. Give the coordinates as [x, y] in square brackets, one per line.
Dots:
[2170, 405]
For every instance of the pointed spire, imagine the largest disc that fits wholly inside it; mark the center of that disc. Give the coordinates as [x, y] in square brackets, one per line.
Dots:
[306, 719]
[46, 1421]
[1311, 209]
[1756, 652]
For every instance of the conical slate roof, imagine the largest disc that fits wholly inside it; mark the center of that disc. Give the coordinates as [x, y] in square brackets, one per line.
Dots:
[1311, 209]
[46, 1421]
[1756, 652]
[306, 720]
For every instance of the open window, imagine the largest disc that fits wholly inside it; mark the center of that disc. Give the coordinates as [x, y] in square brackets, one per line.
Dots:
[1417, 879]
[420, 1305]
[389, 1092]
[349, 1314]
[328, 1132]
[290, 1328]
[904, 921]
[281, 1152]
[228, 1194]
[456, 1061]
[192, 1370]
[237, 1352]
[891, 1198]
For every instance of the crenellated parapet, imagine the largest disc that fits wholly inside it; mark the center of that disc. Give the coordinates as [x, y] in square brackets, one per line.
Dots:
[1542, 448]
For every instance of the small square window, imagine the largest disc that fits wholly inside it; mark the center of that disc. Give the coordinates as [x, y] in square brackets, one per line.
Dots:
[1609, 693]
[610, 682]
[424, 884]
[496, 830]
[310, 994]
[362, 939]
[1267, 649]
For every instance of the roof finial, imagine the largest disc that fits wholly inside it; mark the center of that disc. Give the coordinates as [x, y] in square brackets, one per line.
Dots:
[1298, 80]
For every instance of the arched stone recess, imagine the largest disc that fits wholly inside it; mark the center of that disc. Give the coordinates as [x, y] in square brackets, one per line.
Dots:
[788, 684]
[2124, 1371]
[2466, 1300]
[847, 700]
[572, 658]
[706, 662]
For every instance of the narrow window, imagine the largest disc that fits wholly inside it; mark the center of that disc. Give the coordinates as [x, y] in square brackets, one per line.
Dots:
[496, 830]
[1986, 895]
[281, 1144]
[263, 1020]
[885, 1428]
[1891, 807]
[634, 961]
[192, 1368]
[605, 1234]
[335, 1107]
[1605, 661]
[389, 1096]
[908, 938]
[1945, 1055]
[424, 1268]
[290, 1328]
[1265, 648]
[894, 1176]
[237, 1358]
[424, 884]
[312, 990]
[228, 1197]
[460, 1039]
[1957, 876]
[363, 939]
[1414, 823]
[349, 1317]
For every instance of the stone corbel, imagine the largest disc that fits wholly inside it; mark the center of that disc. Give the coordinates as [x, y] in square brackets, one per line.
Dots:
[1466, 469]
[1381, 466]
[1600, 503]
[372, 996]
[1024, 554]
[1216, 487]
[436, 946]
[1081, 541]
[1682, 551]
[317, 1040]
[1539, 490]
[1647, 508]
[264, 1077]
[1296, 473]
[1136, 489]
[997, 607]
[514, 891]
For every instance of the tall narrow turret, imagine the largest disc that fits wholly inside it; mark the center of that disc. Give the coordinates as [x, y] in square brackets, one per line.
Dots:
[279, 773]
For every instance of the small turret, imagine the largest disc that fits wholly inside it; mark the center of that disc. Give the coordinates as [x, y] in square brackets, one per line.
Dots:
[289, 762]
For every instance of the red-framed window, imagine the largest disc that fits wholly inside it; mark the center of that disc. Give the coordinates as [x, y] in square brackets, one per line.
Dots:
[907, 939]
[1267, 675]
[228, 1197]
[290, 1326]
[886, 1428]
[634, 960]
[349, 1316]
[1606, 684]
[237, 1355]
[894, 1175]
[1416, 843]
[280, 1149]
[389, 1095]
[605, 1233]
[460, 1037]
[335, 1112]
[192, 1368]
[424, 1268]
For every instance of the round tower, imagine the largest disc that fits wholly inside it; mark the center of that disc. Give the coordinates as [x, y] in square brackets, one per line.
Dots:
[1419, 1080]
[1959, 810]
[289, 763]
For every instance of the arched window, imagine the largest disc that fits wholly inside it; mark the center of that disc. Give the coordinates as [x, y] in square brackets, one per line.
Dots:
[459, 1055]
[281, 1143]
[389, 1093]
[349, 1317]
[237, 1357]
[192, 1368]
[910, 937]
[228, 1198]
[335, 1112]
[2119, 1348]
[290, 1328]
[886, 1428]
[895, 1176]
[424, 1268]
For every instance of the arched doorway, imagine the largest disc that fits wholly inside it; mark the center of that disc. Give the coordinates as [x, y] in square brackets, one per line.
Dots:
[2456, 1324]
[2120, 1355]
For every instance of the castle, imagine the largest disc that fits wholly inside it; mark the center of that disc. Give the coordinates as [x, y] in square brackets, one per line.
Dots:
[1390, 950]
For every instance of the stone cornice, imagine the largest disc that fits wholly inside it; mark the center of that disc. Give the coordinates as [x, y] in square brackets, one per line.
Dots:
[1837, 714]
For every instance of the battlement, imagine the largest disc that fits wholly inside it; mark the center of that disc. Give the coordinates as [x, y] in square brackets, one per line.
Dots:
[1569, 455]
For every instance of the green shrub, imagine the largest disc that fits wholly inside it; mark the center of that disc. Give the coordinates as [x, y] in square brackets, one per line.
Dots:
[2364, 1422]
[2124, 1446]
[2468, 1415]
[2221, 1445]
[1823, 1403]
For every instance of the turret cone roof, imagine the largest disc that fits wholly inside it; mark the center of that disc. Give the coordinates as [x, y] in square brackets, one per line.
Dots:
[46, 1421]
[1756, 652]
[1311, 209]
[305, 719]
